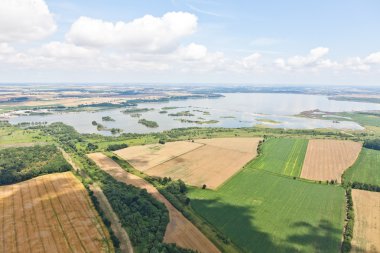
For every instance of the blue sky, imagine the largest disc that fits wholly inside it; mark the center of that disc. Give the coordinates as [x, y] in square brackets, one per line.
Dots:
[332, 42]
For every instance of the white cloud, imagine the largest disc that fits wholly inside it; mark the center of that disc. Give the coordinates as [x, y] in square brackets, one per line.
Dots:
[314, 60]
[61, 50]
[5, 48]
[24, 20]
[251, 61]
[146, 34]
[373, 58]
[192, 52]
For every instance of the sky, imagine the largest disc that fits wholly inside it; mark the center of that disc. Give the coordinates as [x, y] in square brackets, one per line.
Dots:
[272, 42]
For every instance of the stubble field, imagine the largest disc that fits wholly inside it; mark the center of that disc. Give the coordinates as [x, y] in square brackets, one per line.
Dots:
[367, 221]
[207, 162]
[147, 156]
[328, 159]
[50, 213]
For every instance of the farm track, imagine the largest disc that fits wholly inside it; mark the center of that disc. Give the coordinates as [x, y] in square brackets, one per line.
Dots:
[50, 213]
[179, 230]
[121, 234]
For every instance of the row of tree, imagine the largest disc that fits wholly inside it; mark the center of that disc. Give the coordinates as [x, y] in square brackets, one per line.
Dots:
[349, 228]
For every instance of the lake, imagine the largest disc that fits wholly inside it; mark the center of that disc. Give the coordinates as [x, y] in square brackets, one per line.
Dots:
[233, 110]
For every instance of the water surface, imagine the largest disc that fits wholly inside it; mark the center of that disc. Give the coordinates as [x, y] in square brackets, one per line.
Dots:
[233, 110]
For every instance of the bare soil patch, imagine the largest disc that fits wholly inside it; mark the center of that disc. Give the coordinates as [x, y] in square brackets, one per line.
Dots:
[328, 159]
[50, 213]
[367, 221]
[147, 156]
[179, 230]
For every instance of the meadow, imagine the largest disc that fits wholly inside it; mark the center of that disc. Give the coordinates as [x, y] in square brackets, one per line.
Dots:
[283, 156]
[263, 212]
[365, 168]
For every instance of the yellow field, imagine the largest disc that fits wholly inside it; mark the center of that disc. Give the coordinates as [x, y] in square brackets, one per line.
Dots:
[147, 156]
[50, 213]
[328, 159]
[205, 161]
[245, 145]
[367, 221]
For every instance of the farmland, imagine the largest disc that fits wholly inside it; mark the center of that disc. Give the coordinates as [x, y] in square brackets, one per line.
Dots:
[50, 213]
[207, 162]
[328, 159]
[283, 156]
[263, 212]
[148, 156]
[179, 230]
[365, 167]
[367, 224]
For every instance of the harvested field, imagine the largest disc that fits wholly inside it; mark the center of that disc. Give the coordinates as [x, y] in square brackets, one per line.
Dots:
[205, 161]
[179, 230]
[50, 213]
[246, 145]
[207, 165]
[328, 159]
[367, 221]
[147, 156]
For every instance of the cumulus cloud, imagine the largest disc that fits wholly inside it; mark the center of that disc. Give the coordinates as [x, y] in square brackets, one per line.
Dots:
[314, 60]
[251, 61]
[192, 51]
[373, 58]
[24, 20]
[61, 50]
[146, 34]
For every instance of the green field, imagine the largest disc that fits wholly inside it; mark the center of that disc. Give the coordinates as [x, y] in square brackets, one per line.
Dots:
[284, 156]
[263, 212]
[13, 137]
[365, 119]
[366, 168]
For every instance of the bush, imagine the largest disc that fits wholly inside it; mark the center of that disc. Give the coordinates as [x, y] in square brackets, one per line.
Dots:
[114, 147]
[372, 144]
